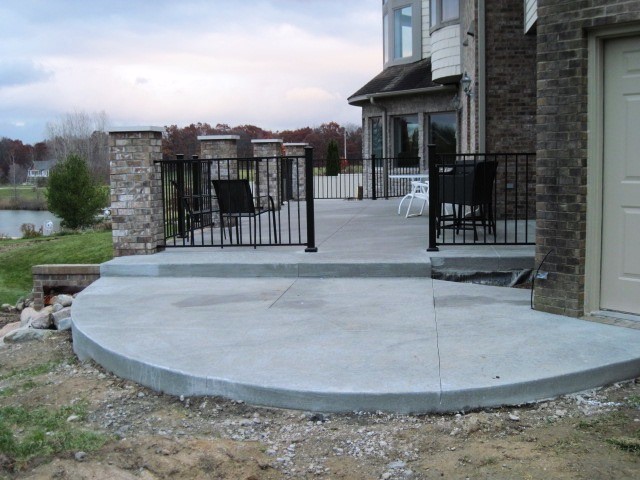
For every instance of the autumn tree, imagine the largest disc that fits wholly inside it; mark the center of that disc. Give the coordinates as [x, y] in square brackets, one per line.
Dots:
[15, 160]
[184, 140]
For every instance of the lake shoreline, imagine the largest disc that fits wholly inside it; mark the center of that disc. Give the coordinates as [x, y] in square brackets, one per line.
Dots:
[11, 221]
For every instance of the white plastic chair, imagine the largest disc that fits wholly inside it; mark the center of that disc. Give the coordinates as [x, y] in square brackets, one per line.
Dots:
[419, 190]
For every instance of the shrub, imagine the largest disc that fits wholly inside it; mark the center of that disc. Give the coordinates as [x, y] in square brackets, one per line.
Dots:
[73, 195]
[333, 159]
[29, 231]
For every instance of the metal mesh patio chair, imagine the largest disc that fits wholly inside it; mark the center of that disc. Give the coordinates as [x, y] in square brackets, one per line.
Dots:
[236, 201]
[468, 185]
[194, 212]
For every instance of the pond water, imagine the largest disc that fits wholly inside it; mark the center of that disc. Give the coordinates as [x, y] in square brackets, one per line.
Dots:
[11, 220]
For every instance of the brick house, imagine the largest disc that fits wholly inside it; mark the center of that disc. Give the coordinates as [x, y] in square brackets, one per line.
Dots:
[588, 155]
[445, 71]
[558, 77]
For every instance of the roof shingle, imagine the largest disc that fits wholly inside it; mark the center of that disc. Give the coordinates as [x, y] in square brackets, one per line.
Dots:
[411, 76]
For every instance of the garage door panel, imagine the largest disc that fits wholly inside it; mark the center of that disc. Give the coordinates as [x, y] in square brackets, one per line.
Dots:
[631, 256]
[620, 268]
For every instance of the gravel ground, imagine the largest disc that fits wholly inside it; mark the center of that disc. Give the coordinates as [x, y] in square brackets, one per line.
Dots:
[594, 434]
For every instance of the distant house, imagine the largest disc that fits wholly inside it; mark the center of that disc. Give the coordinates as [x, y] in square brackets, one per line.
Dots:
[40, 169]
[561, 78]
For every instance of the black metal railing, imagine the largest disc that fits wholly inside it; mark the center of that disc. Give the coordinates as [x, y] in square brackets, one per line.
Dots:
[238, 201]
[481, 199]
[364, 178]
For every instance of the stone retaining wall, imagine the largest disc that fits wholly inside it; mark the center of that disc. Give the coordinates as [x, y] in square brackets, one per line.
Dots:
[61, 277]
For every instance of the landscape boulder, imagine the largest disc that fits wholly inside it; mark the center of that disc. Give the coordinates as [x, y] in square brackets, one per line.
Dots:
[9, 327]
[26, 334]
[62, 318]
[62, 299]
[26, 315]
[42, 320]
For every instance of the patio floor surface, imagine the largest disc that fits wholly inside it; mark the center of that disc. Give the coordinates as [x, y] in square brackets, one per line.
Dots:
[359, 325]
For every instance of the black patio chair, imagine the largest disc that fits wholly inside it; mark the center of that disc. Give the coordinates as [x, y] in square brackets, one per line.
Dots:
[194, 212]
[236, 202]
[468, 185]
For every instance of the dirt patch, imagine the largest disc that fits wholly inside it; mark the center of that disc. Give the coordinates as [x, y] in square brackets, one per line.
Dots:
[154, 436]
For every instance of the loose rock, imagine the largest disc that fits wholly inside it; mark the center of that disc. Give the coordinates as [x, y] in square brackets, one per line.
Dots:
[60, 317]
[25, 334]
[64, 300]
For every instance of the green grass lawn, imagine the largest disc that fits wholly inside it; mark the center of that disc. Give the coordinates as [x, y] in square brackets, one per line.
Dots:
[18, 256]
[27, 196]
[23, 191]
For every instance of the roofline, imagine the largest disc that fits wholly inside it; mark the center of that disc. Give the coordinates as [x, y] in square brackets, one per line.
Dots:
[399, 93]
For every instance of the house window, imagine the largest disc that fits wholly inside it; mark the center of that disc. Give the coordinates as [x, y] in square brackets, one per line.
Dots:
[443, 131]
[401, 31]
[385, 36]
[376, 137]
[443, 11]
[406, 136]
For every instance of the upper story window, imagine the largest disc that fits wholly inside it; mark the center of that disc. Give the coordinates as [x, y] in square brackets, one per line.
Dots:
[402, 30]
[443, 11]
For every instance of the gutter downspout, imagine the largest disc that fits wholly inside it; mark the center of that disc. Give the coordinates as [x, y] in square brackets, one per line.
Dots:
[385, 136]
[482, 79]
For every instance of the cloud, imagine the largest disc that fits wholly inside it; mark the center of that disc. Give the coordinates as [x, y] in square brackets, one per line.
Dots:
[309, 94]
[16, 73]
[274, 63]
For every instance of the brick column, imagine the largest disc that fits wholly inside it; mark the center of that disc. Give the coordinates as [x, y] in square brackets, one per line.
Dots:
[297, 150]
[268, 167]
[221, 147]
[225, 149]
[136, 190]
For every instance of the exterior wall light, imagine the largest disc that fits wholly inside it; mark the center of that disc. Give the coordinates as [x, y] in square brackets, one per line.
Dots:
[465, 82]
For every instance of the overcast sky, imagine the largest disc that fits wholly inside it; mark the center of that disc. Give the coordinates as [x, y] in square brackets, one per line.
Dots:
[277, 64]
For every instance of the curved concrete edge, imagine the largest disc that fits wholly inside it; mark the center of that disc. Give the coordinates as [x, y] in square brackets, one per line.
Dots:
[540, 389]
[174, 382]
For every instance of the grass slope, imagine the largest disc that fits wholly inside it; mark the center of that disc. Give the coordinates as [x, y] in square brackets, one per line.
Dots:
[18, 256]
[22, 197]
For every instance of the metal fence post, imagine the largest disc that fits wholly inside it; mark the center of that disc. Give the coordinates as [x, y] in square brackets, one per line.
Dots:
[180, 195]
[374, 195]
[434, 205]
[311, 222]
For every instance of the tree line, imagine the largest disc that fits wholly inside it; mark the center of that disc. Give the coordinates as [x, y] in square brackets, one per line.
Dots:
[184, 140]
[86, 135]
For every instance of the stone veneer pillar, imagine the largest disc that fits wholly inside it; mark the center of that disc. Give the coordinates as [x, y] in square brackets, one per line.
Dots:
[221, 147]
[136, 190]
[299, 186]
[225, 149]
[268, 167]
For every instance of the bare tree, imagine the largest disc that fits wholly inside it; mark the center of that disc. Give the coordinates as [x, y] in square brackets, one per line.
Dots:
[82, 134]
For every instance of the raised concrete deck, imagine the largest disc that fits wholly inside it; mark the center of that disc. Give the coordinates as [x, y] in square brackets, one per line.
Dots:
[357, 326]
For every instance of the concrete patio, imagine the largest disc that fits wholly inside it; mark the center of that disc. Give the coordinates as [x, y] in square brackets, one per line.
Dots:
[359, 325]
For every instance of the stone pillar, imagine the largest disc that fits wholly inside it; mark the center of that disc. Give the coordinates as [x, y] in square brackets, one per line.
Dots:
[298, 176]
[136, 190]
[268, 170]
[225, 149]
[221, 147]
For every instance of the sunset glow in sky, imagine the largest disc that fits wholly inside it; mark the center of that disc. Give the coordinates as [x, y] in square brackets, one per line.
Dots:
[277, 64]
